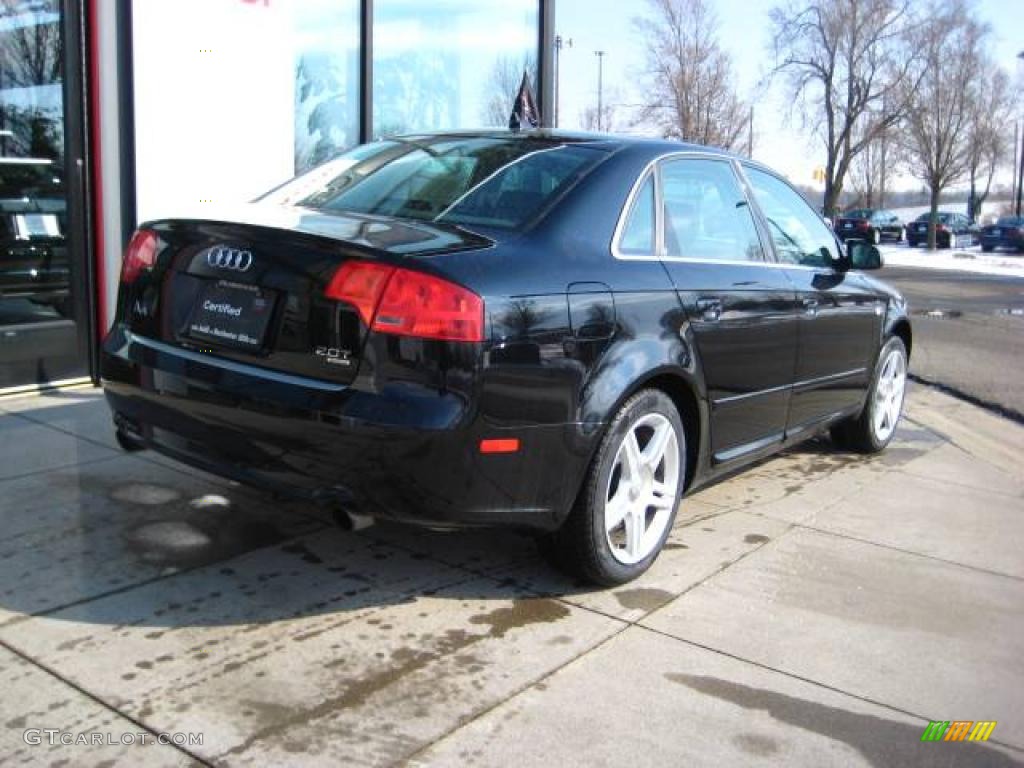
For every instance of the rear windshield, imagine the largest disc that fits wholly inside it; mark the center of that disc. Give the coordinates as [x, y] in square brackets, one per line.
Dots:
[858, 213]
[485, 181]
[941, 217]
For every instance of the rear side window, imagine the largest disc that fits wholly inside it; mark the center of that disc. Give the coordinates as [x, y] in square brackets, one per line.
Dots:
[706, 215]
[638, 235]
[799, 234]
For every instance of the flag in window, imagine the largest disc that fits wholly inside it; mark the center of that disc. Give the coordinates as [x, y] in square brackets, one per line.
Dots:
[524, 111]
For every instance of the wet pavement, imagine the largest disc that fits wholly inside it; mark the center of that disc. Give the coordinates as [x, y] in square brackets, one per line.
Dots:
[818, 609]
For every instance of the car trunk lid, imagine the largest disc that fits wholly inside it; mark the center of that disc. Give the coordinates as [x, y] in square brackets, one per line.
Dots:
[249, 284]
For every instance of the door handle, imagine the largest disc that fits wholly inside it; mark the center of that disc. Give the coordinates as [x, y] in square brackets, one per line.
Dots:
[710, 309]
[810, 307]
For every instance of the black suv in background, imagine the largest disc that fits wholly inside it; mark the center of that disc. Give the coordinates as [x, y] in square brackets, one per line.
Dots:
[871, 225]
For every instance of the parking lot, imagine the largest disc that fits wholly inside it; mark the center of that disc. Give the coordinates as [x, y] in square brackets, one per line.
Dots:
[820, 609]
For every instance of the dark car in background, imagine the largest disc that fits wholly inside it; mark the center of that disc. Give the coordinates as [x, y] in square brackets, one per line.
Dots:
[552, 331]
[873, 225]
[1007, 232]
[33, 253]
[951, 230]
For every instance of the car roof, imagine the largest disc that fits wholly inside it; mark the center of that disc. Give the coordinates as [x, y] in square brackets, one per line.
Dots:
[610, 141]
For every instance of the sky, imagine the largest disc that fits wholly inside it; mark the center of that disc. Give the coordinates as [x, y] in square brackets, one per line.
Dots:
[745, 33]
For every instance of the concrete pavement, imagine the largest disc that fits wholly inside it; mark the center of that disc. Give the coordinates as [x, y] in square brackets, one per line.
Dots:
[818, 609]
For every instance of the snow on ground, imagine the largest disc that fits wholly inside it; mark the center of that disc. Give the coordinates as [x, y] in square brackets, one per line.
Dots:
[1004, 263]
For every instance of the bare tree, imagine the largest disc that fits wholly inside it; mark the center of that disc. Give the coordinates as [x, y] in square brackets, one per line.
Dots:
[32, 53]
[609, 114]
[845, 62]
[690, 88]
[875, 166]
[939, 120]
[989, 142]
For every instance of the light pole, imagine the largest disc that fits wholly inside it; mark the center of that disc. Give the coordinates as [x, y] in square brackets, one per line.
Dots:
[1020, 169]
[560, 43]
[600, 87]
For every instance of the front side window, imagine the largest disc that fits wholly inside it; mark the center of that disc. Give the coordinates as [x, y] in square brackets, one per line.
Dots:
[706, 215]
[485, 181]
[799, 234]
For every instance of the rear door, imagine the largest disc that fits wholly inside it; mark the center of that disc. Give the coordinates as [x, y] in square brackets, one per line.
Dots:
[742, 311]
[840, 314]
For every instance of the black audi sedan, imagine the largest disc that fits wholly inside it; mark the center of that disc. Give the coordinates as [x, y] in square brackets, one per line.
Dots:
[871, 224]
[558, 332]
[1007, 232]
[952, 230]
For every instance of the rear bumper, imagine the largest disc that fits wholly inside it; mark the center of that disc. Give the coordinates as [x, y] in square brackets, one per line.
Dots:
[406, 453]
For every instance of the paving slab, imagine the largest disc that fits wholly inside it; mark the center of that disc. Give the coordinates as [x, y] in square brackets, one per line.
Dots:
[27, 447]
[697, 548]
[947, 520]
[329, 648]
[946, 463]
[78, 532]
[918, 634]
[80, 411]
[36, 701]
[646, 699]
[84, 413]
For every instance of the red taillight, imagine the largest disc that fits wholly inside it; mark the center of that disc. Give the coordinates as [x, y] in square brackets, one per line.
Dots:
[360, 283]
[140, 255]
[862, 224]
[499, 445]
[407, 303]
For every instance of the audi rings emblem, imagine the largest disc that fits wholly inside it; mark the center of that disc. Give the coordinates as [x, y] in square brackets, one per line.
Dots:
[222, 257]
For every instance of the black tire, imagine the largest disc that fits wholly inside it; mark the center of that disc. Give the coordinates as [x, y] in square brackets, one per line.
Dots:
[580, 547]
[858, 433]
[987, 248]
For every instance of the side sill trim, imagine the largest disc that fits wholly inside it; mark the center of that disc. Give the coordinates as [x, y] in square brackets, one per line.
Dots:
[808, 383]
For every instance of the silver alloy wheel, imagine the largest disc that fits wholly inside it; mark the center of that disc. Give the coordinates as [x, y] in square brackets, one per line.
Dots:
[888, 396]
[642, 487]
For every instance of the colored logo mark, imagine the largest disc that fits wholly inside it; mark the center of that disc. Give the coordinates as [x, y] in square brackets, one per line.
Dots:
[958, 730]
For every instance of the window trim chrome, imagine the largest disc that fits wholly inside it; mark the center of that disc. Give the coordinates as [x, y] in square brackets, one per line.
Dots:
[651, 169]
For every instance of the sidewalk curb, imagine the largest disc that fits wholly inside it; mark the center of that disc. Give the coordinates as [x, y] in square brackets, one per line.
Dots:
[999, 410]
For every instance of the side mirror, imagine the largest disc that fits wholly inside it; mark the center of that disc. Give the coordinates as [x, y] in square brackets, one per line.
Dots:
[864, 256]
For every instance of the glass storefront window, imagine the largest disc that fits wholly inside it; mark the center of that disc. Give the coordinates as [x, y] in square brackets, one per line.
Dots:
[38, 335]
[233, 97]
[450, 63]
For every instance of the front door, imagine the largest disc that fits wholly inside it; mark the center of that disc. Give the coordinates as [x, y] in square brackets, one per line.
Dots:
[43, 300]
[840, 315]
[741, 309]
